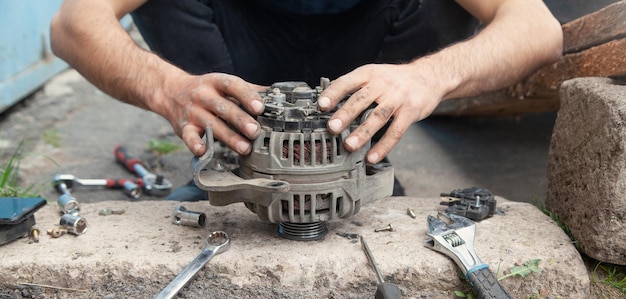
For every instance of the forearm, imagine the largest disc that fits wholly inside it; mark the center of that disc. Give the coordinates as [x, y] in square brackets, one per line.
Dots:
[521, 37]
[108, 57]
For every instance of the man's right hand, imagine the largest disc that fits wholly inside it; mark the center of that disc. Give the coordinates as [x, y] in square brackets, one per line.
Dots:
[213, 100]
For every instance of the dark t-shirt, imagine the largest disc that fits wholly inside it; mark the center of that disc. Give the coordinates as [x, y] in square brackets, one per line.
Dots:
[308, 7]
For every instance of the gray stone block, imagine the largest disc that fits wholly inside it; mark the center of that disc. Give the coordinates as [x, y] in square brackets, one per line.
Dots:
[136, 254]
[587, 166]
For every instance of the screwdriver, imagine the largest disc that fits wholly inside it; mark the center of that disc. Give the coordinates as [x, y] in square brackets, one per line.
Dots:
[384, 290]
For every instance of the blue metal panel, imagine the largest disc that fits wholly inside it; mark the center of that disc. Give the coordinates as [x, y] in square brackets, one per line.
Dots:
[25, 58]
[26, 61]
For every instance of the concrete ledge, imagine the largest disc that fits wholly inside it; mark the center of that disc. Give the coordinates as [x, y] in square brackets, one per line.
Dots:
[138, 253]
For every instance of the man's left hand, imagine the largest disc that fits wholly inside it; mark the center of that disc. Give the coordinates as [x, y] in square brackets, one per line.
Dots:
[403, 93]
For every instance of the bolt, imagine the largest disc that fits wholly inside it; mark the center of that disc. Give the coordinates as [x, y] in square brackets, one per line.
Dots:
[34, 233]
[410, 213]
[387, 228]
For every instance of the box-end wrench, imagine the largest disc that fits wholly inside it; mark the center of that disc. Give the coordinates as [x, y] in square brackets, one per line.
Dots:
[153, 184]
[453, 236]
[215, 243]
[65, 183]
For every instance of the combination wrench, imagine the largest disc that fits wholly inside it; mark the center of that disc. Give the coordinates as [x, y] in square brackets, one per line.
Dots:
[215, 243]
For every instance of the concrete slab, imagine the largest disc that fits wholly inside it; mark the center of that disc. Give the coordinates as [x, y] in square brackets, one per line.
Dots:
[136, 254]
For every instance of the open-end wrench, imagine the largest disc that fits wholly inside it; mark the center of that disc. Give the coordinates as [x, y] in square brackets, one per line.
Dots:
[153, 184]
[64, 183]
[215, 243]
[453, 236]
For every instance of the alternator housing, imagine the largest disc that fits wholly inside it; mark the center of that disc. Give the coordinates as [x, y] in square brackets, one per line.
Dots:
[298, 172]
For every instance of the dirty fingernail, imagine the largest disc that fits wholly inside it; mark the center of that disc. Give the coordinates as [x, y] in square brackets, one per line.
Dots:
[197, 147]
[257, 106]
[352, 142]
[323, 102]
[251, 128]
[242, 147]
[335, 125]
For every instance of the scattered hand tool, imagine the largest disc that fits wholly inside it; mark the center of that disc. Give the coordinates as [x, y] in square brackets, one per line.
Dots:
[385, 290]
[182, 216]
[66, 182]
[74, 224]
[66, 201]
[454, 236]
[215, 243]
[153, 184]
[474, 203]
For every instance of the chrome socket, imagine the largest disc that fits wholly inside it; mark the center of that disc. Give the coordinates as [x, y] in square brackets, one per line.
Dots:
[69, 204]
[74, 224]
[182, 216]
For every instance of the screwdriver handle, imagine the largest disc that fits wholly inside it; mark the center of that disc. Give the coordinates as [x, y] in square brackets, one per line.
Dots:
[387, 290]
[120, 183]
[126, 160]
[486, 286]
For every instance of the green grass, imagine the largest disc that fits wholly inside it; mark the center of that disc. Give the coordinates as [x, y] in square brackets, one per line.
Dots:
[163, 147]
[51, 137]
[9, 177]
[613, 275]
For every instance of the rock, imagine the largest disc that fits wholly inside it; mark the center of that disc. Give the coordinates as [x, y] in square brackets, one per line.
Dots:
[587, 167]
[119, 253]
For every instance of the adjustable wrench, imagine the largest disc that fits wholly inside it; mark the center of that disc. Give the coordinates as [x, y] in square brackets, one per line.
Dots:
[64, 183]
[453, 236]
[153, 184]
[215, 243]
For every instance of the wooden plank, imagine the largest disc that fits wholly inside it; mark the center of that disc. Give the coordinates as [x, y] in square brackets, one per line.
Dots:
[596, 28]
[540, 91]
[601, 61]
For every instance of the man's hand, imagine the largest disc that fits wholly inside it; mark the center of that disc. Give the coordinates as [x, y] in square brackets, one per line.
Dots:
[214, 100]
[403, 94]
[518, 37]
[87, 34]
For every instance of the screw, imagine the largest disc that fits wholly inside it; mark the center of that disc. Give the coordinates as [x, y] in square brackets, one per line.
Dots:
[34, 233]
[410, 213]
[387, 228]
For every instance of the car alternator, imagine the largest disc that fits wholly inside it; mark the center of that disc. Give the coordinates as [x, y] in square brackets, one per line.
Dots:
[298, 175]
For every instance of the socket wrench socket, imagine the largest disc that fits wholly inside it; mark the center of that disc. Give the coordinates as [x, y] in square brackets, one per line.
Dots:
[182, 216]
[74, 224]
[69, 204]
[132, 190]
